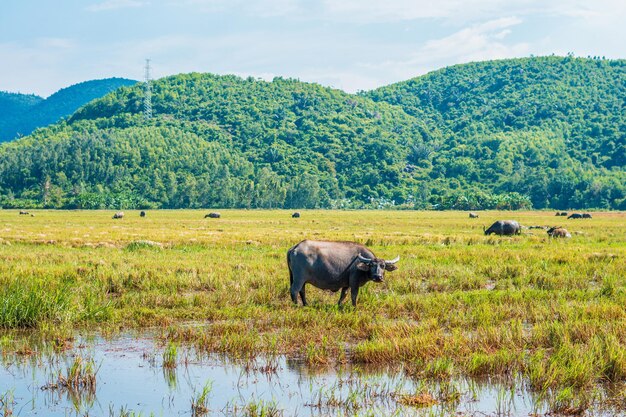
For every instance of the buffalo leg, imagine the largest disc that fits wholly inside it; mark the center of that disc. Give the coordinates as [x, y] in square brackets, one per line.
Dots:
[344, 291]
[354, 292]
[303, 296]
[294, 292]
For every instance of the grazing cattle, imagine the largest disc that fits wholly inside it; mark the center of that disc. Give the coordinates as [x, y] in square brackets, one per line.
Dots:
[296, 215]
[575, 216]
[563, 213]
[586, 216]
[142, 214]
[213, 215]
[118, 215]
[558, 231]
[23, 212]
[473, 215]
[505, 227]
[334, 266]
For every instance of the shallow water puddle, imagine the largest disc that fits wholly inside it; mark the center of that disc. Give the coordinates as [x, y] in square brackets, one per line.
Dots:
[130, 378]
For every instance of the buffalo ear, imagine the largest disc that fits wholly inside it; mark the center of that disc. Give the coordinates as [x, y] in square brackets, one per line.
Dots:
[362, 266]
[390, 267]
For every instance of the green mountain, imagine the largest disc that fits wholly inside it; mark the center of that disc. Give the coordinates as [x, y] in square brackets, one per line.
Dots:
[20, 114]
[546, 132]
[551, 128]
[12, 108]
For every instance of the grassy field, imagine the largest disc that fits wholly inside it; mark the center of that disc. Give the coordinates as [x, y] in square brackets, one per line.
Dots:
[461, 303]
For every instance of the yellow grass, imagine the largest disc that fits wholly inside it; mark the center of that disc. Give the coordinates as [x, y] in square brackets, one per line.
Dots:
[460, 302]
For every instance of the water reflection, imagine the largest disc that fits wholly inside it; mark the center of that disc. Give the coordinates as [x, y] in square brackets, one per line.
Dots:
[130, 377]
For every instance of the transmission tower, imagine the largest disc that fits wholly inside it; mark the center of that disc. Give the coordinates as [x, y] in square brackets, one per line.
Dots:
[147, 98]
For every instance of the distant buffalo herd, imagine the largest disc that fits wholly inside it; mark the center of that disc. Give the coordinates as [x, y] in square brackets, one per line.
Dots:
[574, 215]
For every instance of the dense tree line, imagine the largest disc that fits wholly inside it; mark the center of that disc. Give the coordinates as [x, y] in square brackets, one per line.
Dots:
[539, 132]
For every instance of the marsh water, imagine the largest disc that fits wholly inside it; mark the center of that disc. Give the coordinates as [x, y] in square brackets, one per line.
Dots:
[131, 379]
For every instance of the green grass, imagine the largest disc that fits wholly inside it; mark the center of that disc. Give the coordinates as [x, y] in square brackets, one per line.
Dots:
[170, 356]
[461, 303]
[200, 403]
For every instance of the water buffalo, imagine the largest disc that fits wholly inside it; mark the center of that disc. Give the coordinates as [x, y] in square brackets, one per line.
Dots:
[558, 231]
[118, 215]
[142, 214]
[505, 227]
[213, 215]
[334, 266]
[296, 215]
[586, 216]
[23, 212]
[473, 215]
[561, 213]
[575, 216]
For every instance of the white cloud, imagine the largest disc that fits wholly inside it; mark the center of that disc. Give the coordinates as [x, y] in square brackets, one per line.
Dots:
[398, 10]
[482, 39]
[478, 42]
[115, 4]
[258, 8]
[36, 67]
[459, 11]
[56, 43]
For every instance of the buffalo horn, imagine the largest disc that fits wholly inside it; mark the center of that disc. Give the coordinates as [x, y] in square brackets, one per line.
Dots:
[363, 258]
[393, 261]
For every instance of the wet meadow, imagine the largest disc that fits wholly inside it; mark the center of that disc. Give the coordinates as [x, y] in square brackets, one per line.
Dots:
[464, 318]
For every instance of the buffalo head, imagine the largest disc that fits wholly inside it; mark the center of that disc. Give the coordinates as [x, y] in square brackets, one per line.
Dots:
[376, 266]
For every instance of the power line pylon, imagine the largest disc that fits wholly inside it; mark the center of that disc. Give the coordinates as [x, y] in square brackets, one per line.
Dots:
[147, 98]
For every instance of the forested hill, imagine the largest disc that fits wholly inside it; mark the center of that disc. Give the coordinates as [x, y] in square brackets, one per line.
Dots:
[20, 114]
[552, 128]
[546, 132]
[12, 108]
[218, 141]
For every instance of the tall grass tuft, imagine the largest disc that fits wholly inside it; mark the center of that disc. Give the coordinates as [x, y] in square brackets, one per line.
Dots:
[200, 404]
[263, 409]
[27, 304]
[78, 382]
[170, 355]
[7, 400]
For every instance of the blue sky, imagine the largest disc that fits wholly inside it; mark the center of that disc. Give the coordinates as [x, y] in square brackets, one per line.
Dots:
[353, 45]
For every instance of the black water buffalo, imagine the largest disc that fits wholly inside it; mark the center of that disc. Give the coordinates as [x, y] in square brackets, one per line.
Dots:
[558, 231]
[118, 215]
[142, 213]
[23, 212]
[296, 215]
[505, 227]
[586, 216]
[575, 216]
[334, 266]
[213, 215]
[561, 213]
[473, 215]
